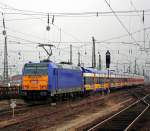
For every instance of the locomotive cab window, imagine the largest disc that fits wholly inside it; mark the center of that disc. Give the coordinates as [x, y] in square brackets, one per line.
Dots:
[36, 69]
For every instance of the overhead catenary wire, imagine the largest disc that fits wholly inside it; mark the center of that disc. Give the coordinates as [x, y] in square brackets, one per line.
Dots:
[28, 18]
[92, 16]
[143, 20]
[64, 14]
[79, 46]
[114, 38]
[16, 37]
[6, 6]
[27, 41]
[80, 14]
[135, 9]
[121, 22]
[26, 34]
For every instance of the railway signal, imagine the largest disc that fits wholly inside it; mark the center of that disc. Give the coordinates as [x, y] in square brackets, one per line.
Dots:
[48, 26]
[108, 62]
[13, 105]
[108, 59]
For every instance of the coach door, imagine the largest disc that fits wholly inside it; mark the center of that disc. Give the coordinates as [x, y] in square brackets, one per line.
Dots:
[56, 80]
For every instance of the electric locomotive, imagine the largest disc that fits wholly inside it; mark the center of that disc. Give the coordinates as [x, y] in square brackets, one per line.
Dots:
[48, 79]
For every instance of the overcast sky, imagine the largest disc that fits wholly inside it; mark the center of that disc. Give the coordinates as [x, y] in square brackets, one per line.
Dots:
[28, 28]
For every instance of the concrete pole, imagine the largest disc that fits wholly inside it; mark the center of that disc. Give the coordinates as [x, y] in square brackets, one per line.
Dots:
[70, 54]
[93, 54]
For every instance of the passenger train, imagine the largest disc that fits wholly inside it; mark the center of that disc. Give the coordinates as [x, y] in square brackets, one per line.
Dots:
[48, 79]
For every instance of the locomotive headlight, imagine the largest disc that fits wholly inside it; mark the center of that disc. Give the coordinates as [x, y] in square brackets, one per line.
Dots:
[24, 93]
[43, 86]
[25, 87]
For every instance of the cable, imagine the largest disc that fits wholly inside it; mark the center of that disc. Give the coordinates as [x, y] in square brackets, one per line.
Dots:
[25, 19]
[138, 14]
[135, 9]
[121, 23]
[88, 42]
[62, 30]
[113, 38]
[26, 34]
[12, 8]
[82, 14]
[37, 43]
[69, 34]
[76, 14]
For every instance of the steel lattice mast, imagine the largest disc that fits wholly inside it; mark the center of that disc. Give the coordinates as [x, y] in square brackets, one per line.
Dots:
[5, 73]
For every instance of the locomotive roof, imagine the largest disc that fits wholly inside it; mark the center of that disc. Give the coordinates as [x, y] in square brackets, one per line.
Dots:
[111, 73]
[68, 66]
[92, 70]
[83, 69]
[54, 65]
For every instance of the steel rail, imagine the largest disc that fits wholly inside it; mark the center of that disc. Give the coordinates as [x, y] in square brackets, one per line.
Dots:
[142, 99]
[133, 122]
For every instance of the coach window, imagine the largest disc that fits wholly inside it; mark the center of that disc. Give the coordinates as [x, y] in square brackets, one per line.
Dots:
[101, 80]
[89, 80]
[97, 80]
[86, 79]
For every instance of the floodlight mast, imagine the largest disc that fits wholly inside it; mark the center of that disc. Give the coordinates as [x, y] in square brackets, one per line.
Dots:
[49, 53]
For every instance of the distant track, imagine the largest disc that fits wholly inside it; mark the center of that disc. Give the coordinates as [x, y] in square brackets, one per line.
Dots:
[20, 109]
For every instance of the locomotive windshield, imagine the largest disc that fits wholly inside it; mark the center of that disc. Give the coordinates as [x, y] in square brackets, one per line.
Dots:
[36, 69]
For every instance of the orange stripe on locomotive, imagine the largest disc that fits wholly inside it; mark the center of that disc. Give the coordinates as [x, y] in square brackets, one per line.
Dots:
[35, 82]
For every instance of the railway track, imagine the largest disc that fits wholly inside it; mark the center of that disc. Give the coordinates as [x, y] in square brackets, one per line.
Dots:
[126, 118]
[20, 109]
[54, 115]
[9, 92]
[22, 124]
[139, 93]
